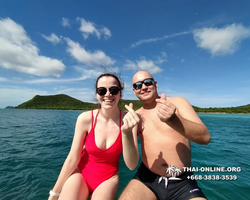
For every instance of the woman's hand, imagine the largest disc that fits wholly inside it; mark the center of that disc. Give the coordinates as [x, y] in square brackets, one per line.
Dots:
[130, 120]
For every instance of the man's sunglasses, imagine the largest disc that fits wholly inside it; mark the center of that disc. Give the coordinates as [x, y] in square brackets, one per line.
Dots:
[114, 90]
[147, 82]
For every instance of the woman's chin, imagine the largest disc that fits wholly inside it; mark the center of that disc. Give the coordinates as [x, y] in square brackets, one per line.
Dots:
[108, 104]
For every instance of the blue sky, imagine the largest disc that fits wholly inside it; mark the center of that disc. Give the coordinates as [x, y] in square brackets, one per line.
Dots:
[195, 49]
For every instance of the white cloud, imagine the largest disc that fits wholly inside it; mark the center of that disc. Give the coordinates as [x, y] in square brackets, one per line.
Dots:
[157, 39]
[97, 58]
[106, 32]
[65, 22]
[50, 80]
[53, 38]
[19, 79]
[127, 85]
[130, 65]
[18, 52]
[12, 79]
[88, 28]
[85, 74]
[162, 58]
[2, 79]
[149, 66]
[13, 96]
[164, 54]
[142, 64]
[221, 41]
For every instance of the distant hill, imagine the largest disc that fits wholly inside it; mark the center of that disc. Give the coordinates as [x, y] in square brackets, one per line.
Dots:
[10, 107]
[56, 102]
[239, 109]
[65, 102]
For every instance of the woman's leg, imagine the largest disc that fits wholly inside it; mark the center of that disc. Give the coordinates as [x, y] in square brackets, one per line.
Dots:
[75, 188]
[107, 190]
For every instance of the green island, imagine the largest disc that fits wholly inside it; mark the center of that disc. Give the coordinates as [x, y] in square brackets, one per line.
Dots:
[65, 102]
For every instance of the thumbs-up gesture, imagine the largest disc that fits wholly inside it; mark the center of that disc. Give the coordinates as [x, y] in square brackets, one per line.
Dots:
[130, 120]
[166, 109]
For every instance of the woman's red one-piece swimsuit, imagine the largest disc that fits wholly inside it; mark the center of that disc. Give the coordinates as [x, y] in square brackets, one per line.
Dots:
[97, 165]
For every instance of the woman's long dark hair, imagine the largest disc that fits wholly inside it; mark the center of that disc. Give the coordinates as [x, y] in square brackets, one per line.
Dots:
[120, 83]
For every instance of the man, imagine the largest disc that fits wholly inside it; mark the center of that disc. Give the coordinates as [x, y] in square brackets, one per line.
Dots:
[166, 127]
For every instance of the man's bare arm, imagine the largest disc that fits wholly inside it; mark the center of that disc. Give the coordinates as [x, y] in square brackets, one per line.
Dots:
[178, 113]
[186, 122]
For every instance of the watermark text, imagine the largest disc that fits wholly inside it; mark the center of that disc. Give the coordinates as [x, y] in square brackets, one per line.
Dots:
[211, 169]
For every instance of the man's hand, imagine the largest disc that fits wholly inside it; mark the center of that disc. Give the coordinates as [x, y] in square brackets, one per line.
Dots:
[130, 120]
[166, 109]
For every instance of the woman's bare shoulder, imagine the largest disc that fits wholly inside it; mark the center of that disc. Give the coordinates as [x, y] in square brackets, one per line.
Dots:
[86, 117]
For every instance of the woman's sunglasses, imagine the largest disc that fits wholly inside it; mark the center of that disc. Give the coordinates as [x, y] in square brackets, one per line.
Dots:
[114, 90]
[147, 82]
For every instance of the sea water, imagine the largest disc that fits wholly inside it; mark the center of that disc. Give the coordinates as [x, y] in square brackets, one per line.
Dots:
[35, 143]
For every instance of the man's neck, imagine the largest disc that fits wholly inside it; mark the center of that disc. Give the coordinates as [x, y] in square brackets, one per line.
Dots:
[149, 105]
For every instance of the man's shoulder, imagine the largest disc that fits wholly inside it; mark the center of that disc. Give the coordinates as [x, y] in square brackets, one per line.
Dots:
[176, 99]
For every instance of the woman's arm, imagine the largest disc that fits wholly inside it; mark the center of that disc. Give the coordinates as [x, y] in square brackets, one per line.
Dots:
[73, 158]
[129, 138]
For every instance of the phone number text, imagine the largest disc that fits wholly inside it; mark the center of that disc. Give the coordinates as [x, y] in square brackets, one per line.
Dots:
[213, 177]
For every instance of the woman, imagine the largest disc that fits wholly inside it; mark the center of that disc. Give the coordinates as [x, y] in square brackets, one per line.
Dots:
[91, 167]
